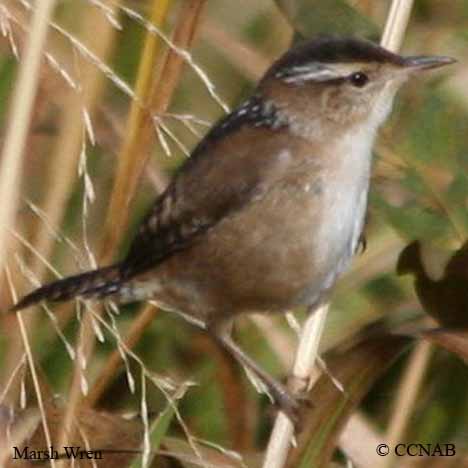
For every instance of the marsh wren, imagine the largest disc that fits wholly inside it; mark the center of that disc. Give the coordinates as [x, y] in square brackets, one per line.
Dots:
[269, 209]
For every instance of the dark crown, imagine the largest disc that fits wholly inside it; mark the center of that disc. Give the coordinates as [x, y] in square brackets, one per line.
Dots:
[330, 49]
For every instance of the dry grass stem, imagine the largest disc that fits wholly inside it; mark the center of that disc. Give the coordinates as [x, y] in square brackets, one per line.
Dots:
[281, 436]
[37, 387]
[32, 368]
[166, 386]
[281, 343]
[15, 141]
[395, 27]
[139, 145]
[304, 364]
[19, 120]
[135, 153]
[87, 54]
[359, 439]
[406, 397]
[159, 99]
[84, 349]
[64, 160]
[420, 357]
[69, 142]
[252, 63]
[118, 211]
[114, 362]
[86, 338]
[68, 151]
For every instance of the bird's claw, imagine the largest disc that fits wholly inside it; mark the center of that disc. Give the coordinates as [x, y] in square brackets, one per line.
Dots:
[292, 404]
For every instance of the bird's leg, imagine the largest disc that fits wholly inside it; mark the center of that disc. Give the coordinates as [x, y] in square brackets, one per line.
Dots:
[280, 394]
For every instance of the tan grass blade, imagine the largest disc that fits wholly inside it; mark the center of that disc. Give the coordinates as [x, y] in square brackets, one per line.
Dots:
[19, 120]
[64, 159]
[118, 210]
[138, 146]
[32, 368]
[15, 140]
[68, 151]
[114, 362]
[406, 398]
[160, 96]
[134, 155]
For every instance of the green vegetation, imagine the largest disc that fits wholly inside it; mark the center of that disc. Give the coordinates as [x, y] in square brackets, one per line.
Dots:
[373, 345]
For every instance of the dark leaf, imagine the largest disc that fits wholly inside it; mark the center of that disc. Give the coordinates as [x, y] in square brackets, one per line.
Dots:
[445, 299]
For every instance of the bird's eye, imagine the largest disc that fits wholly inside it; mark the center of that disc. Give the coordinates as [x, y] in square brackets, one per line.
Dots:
[359, 79]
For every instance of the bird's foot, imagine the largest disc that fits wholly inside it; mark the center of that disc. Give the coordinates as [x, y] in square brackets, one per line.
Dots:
[291, 404]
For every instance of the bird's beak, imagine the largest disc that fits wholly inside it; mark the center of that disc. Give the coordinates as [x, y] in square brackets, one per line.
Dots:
[425, 62]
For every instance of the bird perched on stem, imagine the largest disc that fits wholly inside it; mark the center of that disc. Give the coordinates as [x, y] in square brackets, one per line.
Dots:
[269, 209]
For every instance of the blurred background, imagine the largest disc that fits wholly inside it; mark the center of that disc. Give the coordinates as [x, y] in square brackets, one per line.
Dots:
[126, 89]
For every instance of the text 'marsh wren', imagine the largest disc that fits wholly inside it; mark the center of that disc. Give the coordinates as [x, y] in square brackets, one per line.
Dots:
[269, 209]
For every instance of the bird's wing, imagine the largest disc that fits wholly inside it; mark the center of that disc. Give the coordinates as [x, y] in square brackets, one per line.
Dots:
[220, 177]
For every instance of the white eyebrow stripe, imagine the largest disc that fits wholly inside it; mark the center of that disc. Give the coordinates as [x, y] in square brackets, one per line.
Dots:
[315, 75]
[317, 71]
[313, 71]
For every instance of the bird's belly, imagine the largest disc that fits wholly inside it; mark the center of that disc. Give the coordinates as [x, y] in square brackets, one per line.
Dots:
[339, 234]
[290, 258]
[321, 248]
[281, 251]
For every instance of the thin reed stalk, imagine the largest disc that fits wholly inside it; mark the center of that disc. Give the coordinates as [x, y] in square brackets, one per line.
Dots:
[37, 387]
[252, 63]
[126, 181]
[63, 163]
[66, 156]
[69, 142]
[420, 357]
[135, 153]
[141, 141]
[15, 141]
[283, 430]
[114, 361]
[32, 369]
[136, 150]
[19, 121]
[119, 201]
[282, 434]
[407, 395]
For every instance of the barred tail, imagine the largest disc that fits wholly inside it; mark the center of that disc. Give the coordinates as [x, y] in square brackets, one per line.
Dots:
[96, 283]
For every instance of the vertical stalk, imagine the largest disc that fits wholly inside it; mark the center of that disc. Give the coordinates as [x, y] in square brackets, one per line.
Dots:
[306, 355]
[19, 121]
[283, 430]
[63, 162]
[406, 397]
[141, 141]
[396, 24]
[119, 202]
[136, 152]
[68, 149]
